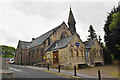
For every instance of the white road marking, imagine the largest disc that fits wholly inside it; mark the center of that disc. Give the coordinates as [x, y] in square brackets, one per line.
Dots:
[15, 69]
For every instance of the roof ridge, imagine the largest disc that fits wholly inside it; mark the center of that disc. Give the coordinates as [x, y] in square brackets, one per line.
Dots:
[25, 41]
[49, 31]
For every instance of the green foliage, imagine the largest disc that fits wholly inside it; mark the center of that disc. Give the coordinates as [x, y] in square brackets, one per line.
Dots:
[7, 55]
[92, 33]
[99, 40]
[115, 21]
[107, 56]
[8, 51]
[112, 31]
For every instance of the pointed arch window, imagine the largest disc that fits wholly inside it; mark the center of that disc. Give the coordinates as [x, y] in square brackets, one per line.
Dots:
[77, 53]
[63, 35]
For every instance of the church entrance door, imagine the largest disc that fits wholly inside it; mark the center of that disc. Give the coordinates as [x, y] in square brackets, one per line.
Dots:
[55, 57]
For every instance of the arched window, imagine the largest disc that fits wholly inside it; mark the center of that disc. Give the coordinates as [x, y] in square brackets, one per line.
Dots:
[77, 54]
[48, 41]
[63, 35]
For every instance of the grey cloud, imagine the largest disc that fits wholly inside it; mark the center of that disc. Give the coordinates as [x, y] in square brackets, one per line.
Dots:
[10, 37]
[88, 12]
[85, 13]
[47, 10]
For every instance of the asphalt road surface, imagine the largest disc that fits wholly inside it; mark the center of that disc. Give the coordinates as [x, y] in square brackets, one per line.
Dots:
[22, 72]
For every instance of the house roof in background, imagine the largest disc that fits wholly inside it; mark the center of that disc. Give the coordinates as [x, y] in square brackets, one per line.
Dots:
[88, 44]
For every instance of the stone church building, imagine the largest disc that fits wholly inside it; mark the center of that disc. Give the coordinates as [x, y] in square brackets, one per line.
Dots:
[60, 46]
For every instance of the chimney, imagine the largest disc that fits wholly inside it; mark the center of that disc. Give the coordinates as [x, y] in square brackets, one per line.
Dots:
[33, 39]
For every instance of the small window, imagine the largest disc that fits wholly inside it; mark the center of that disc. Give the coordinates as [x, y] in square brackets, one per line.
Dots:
[32, 55]
[77, 52]
[42, 50]
[37, 50]
[49, 41]
[56, 45]
[33, 50]
[71, 52]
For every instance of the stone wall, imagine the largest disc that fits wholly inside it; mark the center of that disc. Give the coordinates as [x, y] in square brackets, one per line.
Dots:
[4, 71]
[96, 53]
[59, 31]
[77, 55]
[68, 59]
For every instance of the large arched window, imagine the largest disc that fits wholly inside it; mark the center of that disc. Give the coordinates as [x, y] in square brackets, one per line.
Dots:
[63, 35]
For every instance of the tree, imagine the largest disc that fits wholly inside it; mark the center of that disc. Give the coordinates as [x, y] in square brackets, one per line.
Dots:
[8, 51]
[99, 40]
[112, 29]
[107, 56]
[115, 29]
[107, 37]
[92, 33]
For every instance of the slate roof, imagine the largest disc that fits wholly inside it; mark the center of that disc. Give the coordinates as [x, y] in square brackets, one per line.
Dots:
[88, 44]
[24, 44]
[43, 37]
[60, 44]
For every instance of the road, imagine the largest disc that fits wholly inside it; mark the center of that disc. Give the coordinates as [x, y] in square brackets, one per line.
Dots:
[23, 72]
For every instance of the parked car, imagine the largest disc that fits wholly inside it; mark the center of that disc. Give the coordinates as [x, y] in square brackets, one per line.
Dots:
[7, 60]
[10, 60]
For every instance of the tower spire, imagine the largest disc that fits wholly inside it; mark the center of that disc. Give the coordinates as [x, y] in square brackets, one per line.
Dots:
[71, 16]
[71, 22]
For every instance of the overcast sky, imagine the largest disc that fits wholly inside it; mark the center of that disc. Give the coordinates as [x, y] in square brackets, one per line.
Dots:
[27, 19]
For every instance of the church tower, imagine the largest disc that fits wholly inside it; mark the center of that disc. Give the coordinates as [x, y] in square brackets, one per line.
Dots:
[71, 22]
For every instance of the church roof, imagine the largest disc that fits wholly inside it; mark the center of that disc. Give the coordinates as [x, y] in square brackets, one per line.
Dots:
[42, 38]
[71, 17]
[60, 44]
[25, 44]
[88, 44]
